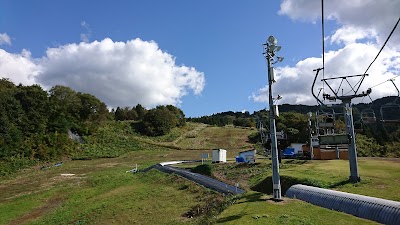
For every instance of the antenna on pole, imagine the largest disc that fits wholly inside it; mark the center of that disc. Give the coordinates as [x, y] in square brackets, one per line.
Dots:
[270, 50]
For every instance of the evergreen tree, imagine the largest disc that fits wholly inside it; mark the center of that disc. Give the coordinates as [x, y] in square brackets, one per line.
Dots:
[140, 111]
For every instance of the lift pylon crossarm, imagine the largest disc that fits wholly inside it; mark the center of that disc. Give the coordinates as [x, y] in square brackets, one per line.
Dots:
[344, 77]
[354, 88]
[312, 87]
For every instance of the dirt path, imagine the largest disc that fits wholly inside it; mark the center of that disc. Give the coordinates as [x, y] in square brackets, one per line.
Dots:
[193, 132]
[38, 212]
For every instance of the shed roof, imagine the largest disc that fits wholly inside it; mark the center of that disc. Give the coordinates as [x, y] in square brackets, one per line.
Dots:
[248, 151]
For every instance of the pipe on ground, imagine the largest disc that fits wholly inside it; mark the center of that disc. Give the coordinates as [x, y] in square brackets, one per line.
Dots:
[376, 209]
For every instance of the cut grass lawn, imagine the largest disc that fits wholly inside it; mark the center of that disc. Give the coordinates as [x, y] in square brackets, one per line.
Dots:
[256, 208]
[100, 192]
[379, 177]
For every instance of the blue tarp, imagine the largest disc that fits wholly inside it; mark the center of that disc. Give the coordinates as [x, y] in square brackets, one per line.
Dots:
[239, 159]
[289, 152]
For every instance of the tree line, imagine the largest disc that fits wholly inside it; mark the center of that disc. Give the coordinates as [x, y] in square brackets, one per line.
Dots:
[374, 139]
[34, 123]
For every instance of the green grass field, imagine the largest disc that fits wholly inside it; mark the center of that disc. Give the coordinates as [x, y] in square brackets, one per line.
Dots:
[99, 191]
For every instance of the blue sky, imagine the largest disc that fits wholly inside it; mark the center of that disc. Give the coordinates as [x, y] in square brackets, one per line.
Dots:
[211, 50]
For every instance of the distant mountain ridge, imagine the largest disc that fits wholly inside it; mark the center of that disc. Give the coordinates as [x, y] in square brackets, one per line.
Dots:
[304, 109]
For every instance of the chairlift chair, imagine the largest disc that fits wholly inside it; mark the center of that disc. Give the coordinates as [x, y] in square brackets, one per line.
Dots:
[368, 116]
[327, 135]
[325, 119]
[390, 112]
[358, 126]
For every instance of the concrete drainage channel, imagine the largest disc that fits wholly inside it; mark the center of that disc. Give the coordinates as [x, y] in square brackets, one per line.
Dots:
[376, 209]
[198, 178]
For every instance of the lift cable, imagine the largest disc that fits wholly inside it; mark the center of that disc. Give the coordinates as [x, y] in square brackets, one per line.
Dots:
[383, 46]
[385, 81]
[323, 45]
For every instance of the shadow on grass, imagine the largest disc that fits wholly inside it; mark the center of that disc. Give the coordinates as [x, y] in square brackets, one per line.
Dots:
[296, 161]
[230, 218]
[254, 197]
[339, 183]
[265, 186]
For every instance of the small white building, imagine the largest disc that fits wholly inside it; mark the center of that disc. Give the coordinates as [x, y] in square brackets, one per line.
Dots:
[218, 155]
[298, 147]
[315, 141]
[248, 156]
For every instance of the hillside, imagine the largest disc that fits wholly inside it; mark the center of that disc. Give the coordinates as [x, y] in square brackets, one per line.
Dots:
[97, 189]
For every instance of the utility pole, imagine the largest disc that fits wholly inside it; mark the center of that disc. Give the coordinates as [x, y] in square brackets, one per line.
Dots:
[270, 49]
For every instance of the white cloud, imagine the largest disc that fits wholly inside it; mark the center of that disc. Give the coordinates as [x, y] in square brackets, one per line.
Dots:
[19, 68]
[363, 27]
[118, 73]
[363, 17]
[5, 39]
[349, 35]
[87, 31]
[294, 83]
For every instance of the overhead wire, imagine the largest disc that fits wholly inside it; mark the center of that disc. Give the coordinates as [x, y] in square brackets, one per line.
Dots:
[323, 47]
[373, 61]
[383, 46]
[385, 81]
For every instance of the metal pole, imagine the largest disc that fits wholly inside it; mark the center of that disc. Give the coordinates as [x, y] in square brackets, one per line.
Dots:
[311, 135]
[337, 152]
[311, 148]
[274, 148]
[348, 111]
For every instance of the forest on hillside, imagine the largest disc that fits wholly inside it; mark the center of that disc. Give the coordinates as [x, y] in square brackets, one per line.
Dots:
[35, 124]
[373, 139]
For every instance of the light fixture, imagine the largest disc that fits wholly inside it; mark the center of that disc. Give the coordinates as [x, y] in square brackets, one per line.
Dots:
[272, 40]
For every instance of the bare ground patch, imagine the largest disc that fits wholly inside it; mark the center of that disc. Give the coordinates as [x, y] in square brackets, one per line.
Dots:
[38, 212]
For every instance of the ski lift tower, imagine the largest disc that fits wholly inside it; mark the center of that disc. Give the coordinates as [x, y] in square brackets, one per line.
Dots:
[270, 50]
[348, 113]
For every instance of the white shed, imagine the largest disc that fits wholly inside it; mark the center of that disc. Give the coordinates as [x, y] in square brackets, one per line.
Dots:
[248, 156]
[298, 147]
[218, 155]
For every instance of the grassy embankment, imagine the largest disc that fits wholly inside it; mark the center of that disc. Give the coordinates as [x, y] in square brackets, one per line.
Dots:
[380, 178]
[99, 191]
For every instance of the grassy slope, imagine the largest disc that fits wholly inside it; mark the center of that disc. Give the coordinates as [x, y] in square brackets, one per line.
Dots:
[101, 192]
[380, 178]
[255, 208]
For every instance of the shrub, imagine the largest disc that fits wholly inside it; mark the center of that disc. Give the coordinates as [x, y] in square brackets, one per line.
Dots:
[204, 169]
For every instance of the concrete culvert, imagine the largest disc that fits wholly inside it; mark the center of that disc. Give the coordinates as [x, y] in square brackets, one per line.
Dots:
[376, 209]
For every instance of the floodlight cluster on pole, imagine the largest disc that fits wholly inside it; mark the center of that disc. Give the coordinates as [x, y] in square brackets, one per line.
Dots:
[270, 50]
